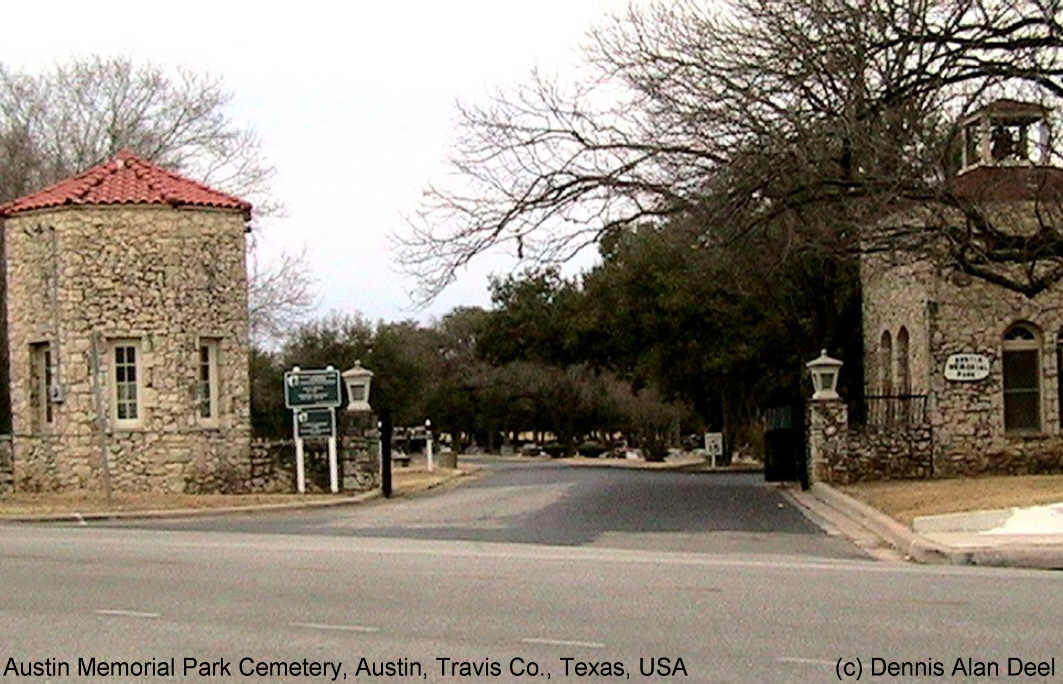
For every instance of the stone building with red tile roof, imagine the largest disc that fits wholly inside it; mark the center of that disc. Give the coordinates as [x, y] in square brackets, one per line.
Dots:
[126, 332]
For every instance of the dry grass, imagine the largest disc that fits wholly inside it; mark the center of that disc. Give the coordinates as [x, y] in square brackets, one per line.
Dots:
[638, 464]
[23, 503]
[905, 500]
[417, 478]
[404, 481]
[686, 462]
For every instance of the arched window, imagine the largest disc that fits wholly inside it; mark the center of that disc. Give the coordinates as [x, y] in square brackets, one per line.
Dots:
[1021, 363]
[1059, 375]
[904, 378]
[885, 354]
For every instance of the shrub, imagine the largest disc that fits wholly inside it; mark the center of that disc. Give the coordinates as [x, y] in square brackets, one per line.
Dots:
[555, 450]
[592, 449]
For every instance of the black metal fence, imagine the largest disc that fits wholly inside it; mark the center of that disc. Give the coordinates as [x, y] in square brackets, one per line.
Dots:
[889, 409]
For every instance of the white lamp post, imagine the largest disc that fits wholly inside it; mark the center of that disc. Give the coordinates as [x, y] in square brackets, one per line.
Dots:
[428, 443]
[358, 380]
[824, 372]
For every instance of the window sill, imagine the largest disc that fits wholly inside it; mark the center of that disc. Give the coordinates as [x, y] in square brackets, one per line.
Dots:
[137, 427]
[1027, 435]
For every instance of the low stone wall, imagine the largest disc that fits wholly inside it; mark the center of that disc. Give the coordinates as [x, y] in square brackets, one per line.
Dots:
[272, 465]
[840, 453]
[7, 470]
[878, 452]
[268, 467]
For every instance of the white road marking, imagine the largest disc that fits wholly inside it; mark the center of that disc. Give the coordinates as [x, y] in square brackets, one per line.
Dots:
[562, 642]
[806, 661]
[338, 628]
[127, 613]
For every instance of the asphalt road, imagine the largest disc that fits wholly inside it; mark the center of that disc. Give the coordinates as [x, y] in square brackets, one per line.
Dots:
[573, 574]
[135, 596]
[542, 502]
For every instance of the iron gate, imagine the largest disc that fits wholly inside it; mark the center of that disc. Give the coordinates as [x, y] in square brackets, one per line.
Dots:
[785, 456]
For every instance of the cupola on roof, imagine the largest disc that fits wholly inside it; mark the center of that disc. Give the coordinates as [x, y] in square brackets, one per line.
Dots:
[126, 179]
[1006, 155]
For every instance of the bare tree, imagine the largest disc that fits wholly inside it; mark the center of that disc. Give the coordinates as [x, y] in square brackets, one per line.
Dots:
[280, 296]
[806, 120]
[56, 124]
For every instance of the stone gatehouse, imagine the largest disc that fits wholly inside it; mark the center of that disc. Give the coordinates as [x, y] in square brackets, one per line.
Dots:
[125, 337]
[964, 374]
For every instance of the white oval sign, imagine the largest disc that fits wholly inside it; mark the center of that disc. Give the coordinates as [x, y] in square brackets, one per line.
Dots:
[967, 367]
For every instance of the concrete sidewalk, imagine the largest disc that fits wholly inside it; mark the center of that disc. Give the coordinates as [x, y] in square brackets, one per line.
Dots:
[1024, 538]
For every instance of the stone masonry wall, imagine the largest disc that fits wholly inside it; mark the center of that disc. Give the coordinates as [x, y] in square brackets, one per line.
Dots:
[7, 471]
[968, 417]
[895, 297]
[272, 465]
[945, 313]
[80, 278]
[843, 454]
[269, 467]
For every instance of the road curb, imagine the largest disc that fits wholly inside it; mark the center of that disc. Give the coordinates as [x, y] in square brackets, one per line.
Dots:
[190, 512]
[923, 550]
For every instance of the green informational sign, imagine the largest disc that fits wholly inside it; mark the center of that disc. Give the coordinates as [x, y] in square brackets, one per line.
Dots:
[315, 422]
[311, 388]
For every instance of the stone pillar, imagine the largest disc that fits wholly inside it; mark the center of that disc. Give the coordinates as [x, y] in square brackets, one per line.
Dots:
[359, 457]
[7, 465]
[827, 422]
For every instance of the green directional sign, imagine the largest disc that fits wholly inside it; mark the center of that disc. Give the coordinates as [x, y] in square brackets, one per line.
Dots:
[315, 422]
[311, 388]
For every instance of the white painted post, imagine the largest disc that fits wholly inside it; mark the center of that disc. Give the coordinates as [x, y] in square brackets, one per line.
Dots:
[300, 473]
[428, 444]
[333, 475]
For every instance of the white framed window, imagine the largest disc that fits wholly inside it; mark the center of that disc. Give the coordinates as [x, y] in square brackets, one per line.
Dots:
[207, 379]
[1021, 363]
[40, 381]
[126, 383]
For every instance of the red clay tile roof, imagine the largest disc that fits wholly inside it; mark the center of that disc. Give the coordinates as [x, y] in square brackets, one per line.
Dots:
[126, 179]
[1010, 183]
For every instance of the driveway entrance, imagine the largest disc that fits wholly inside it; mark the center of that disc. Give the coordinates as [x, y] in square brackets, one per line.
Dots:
[543, 502]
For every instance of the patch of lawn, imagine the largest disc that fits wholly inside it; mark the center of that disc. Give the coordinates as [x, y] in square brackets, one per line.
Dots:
[905, 500]
[404, 481]
[417, 478]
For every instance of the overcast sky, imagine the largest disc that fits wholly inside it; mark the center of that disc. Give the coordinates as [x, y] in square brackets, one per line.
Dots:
[354, 103]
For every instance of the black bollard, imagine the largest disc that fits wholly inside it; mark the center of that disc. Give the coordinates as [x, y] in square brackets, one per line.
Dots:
[385, 453]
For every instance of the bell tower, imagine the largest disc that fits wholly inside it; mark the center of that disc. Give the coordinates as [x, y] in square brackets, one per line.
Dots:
[1006, 133]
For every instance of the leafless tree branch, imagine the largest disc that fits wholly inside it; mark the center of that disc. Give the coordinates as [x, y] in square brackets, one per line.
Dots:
[821, 118]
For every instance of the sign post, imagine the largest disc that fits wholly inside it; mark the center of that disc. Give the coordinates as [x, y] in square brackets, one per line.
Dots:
[300, 465]
[333, 474]
[313, 396]
[714, 445]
